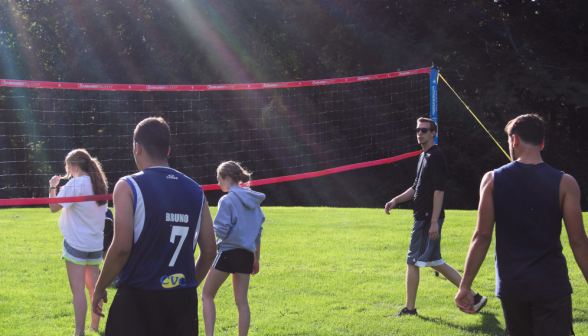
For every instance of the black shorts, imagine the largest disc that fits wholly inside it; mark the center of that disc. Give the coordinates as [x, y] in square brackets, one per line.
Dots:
[143, 312]
[234, 261]
[551, 317]
[108, 234]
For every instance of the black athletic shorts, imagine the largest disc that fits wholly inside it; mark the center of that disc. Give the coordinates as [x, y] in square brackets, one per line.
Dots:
[234, 261]
[153, 313]
[537, 318]
[108, 234]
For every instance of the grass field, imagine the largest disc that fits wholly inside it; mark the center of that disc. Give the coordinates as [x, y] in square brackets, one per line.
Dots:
[324, 271]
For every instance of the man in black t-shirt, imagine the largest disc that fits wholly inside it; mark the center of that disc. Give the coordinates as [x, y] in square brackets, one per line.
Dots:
[427, 192]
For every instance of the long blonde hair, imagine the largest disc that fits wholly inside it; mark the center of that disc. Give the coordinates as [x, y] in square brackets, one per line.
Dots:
[91, 166]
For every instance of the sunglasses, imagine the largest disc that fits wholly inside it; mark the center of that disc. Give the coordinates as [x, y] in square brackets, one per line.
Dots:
[424, 130]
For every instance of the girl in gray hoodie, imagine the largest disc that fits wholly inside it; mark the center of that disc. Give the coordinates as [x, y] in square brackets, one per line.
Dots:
[237, 226]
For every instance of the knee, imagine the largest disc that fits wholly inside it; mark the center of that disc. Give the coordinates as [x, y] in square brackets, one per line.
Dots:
[241, 302]
[206, 297]
[78, 289]
[442, 268]
[78, 293]
[412, 268]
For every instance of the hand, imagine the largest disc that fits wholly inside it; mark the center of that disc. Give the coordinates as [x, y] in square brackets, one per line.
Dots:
[464, 300]
[255, 267]
[389, 206]
[96, 298]
[54, 181]
[434, 230]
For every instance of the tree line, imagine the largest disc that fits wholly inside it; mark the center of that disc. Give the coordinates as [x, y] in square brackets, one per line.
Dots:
[504, 58]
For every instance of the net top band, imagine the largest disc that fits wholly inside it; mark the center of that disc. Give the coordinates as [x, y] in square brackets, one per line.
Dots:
[209, 87]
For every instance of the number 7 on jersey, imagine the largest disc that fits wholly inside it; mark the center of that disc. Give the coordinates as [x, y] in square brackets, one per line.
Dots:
[177, 231]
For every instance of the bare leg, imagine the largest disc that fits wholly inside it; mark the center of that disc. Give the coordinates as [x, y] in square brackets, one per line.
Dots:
[214, 280]
[76, 275]
[412, 285]
[92, 273]
[240, 288]
[450, 274]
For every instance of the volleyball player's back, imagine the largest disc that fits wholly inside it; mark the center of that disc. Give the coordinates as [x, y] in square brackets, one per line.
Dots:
[158, 281]
[161, 215]
[167, 207]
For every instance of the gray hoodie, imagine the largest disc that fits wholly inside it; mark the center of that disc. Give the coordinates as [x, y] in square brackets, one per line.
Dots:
[237, 223]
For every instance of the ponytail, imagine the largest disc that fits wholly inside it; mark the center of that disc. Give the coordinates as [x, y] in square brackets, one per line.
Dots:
[92, 167]
[233, 170]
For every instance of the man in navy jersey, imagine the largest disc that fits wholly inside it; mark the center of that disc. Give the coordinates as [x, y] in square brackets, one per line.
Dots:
[427, 192]
[160, 216]
[527, 200]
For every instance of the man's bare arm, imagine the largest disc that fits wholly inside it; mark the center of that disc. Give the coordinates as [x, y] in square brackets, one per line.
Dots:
[206, 244]
[572, 215]
[479, 244]
[437, 205]
[405, 196]
[122, 243]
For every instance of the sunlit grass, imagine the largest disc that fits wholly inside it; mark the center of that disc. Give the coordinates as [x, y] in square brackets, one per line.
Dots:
[324, 271]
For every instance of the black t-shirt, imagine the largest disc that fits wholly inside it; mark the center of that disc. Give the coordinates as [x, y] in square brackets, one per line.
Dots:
[430, 177]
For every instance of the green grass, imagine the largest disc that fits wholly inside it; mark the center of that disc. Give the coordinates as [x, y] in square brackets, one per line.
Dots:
[324, 271]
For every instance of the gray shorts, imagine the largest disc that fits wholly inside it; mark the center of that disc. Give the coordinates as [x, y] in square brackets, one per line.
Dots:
[423, 251]
[80, 257]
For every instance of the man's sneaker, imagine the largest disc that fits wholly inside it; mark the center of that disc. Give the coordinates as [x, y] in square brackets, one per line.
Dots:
[479, 302]
[405, 311]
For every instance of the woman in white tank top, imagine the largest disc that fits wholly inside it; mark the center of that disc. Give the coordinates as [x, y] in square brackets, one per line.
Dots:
[82, 226]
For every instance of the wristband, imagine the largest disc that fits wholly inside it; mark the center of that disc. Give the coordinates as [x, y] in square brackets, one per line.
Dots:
[52, 188]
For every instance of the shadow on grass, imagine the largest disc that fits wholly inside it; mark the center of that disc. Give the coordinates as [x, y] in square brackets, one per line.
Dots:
[489, 326]
[579, 315]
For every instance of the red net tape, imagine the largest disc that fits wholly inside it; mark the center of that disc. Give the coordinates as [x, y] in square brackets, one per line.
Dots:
[48, 200]
[220, 87]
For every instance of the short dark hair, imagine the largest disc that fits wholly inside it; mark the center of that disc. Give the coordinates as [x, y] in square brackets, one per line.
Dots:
[154, 135]
[529, 127]
[432, 123]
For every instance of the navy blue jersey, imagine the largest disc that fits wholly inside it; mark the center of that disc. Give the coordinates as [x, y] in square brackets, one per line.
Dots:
[167, 211]
[530, 265]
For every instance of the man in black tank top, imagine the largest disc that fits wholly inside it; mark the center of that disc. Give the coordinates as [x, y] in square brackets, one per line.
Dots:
[527, 200]
[427, 193]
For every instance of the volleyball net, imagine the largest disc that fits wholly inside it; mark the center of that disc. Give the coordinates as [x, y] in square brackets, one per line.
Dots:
[281, 131]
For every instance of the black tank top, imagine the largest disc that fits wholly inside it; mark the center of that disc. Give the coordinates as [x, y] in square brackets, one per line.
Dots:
[530, 265]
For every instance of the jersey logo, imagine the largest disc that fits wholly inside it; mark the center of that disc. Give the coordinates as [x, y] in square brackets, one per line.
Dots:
[171, 177]
[173, 280]
[177, 218]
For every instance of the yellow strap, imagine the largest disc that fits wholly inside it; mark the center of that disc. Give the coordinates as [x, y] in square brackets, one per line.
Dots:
[508, 156]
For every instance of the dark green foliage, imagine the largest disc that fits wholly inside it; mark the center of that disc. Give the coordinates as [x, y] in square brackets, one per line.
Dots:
[504, 58]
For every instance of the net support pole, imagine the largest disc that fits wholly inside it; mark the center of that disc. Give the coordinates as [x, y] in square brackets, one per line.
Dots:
[433, 84]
